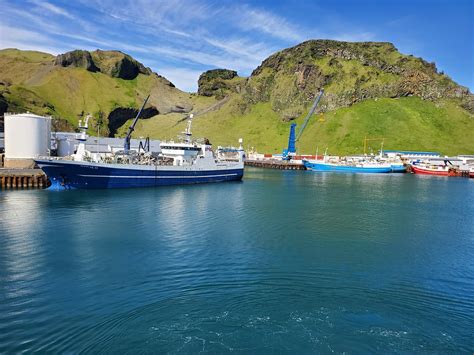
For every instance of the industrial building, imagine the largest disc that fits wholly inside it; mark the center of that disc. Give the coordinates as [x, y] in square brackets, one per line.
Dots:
[27, 136]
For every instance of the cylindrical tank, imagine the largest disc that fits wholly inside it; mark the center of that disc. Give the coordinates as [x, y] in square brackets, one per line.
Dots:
[66, 146]
[27, 136]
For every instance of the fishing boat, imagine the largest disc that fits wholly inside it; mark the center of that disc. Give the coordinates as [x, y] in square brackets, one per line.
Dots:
[183, 162]
[428, 169]
[432, 168]
[347, 166]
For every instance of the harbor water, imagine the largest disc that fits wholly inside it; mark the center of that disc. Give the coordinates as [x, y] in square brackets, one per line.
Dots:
[284, 261]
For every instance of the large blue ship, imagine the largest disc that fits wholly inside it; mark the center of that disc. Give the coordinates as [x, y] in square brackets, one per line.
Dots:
[66, 175]
[182, 162]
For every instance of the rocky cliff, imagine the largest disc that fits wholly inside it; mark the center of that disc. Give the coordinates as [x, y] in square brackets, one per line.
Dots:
[113, 63]
[350, 73]
[217, 82]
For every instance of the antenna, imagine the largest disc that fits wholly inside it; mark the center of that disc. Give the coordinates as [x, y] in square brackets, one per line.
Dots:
[187, 131]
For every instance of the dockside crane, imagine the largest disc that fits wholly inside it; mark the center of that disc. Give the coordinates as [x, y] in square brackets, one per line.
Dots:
[293, 138]
[128, 137]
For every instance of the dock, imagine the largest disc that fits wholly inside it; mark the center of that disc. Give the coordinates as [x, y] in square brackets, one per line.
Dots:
[23, 179]
[275, 164]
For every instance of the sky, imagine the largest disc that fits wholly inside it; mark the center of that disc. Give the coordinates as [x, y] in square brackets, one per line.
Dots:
[180, 39]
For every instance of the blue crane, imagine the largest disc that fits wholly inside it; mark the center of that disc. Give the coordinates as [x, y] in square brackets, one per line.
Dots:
[293, 138]
[128, 137]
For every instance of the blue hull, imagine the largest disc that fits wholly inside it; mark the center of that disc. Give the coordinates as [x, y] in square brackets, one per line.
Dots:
[398, 169]
[345, 169]
[73, 175]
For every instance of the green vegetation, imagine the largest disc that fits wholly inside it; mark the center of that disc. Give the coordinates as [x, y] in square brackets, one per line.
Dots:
[30, 81]
[371, 90]
[406, 123]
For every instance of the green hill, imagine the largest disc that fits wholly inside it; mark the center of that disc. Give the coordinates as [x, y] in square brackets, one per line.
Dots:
[371, 90]
[67, 90]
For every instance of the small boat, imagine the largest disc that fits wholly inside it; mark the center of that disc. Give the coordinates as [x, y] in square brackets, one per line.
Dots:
[427, 169]
[365, 167]
[432, 168]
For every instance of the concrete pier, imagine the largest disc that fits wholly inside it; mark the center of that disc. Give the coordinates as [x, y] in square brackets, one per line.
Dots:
[275, 164]
[23, 179]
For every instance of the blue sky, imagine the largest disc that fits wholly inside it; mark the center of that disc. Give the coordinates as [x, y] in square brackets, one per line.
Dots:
[180, 39]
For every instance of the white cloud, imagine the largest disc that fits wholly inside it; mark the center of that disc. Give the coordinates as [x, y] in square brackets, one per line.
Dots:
[52, 8]
[182, 78]
[249, 19]
[242, 47]
[205, 58]
[13, 37]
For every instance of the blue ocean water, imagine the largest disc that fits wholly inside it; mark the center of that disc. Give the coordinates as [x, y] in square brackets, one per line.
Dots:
[285, 261]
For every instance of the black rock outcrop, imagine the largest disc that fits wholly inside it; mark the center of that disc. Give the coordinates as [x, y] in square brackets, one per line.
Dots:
[119, 65]
[119, 116]
[214, 82]
[113, 63]
[78, 59]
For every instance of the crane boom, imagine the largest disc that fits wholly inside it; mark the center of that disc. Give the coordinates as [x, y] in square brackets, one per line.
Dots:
[310, 113]
[126, 144]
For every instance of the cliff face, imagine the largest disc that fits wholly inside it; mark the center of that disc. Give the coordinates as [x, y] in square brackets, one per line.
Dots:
[219, 83]
[110, 85]
[350, 73]
[78, 59]
[113, 63]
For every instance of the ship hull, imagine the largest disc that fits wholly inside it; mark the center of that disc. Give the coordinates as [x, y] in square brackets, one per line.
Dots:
[346, 169]
[399, 169]
[427, 171]
[67, 175]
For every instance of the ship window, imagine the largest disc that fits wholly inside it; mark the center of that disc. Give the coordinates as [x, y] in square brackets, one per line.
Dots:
[181, 148]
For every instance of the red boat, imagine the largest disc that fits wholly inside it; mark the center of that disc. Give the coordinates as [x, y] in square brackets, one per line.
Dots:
[441, 170]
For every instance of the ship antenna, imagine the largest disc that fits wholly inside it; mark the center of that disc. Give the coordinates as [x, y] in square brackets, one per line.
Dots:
[187, 132]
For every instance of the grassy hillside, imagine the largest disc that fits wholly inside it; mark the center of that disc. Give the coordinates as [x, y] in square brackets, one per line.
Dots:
[30, 81]
[371, 90]
[408, 123]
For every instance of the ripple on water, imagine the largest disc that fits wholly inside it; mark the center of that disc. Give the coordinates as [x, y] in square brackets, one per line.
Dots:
[284, 262]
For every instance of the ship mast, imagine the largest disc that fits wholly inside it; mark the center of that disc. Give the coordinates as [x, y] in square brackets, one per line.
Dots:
[187, 132]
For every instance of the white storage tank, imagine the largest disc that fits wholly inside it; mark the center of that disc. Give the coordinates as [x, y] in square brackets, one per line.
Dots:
[27, 136]
[66, 146]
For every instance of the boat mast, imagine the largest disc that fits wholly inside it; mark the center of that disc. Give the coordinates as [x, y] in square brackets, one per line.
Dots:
[187, 131]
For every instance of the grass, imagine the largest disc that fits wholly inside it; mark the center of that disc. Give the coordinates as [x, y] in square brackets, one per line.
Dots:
[35, 84]
[406, 123]
[26, 56]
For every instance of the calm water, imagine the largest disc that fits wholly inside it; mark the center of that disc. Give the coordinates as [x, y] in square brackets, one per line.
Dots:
[284, 261]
